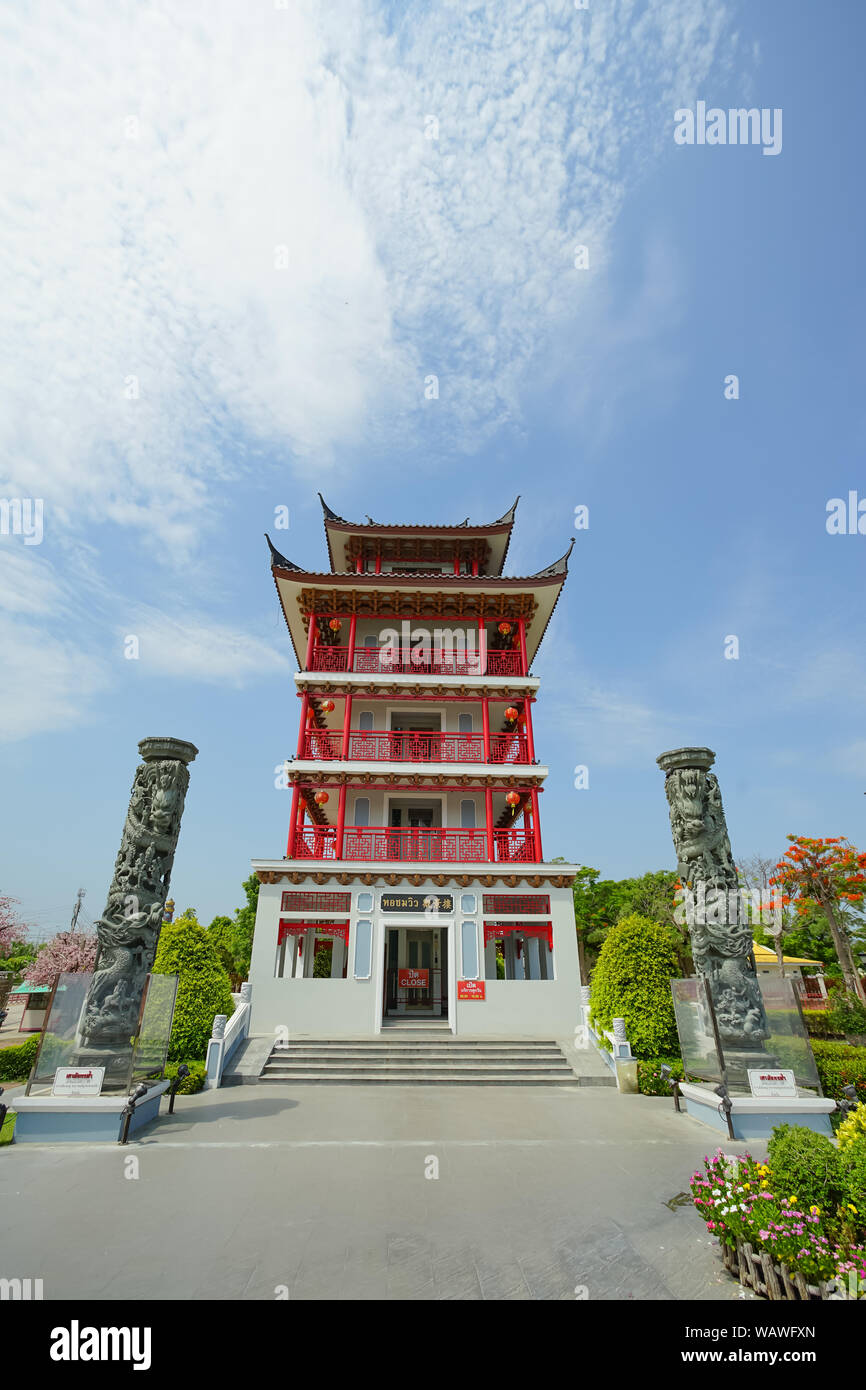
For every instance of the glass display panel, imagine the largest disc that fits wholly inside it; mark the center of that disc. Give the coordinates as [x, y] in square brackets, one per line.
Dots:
[60, 1038]
[151, 1045]
[788, 1045]
[695, 1029]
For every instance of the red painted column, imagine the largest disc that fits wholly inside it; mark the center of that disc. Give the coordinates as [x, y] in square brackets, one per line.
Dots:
[536, 826]
[378, 562]
[485, 725]
[359, 565]
[488, 816]
[353, 624]
[530, 740]
[293, 822]
[341, 821]
[302, 812]
[311, 638]
[482, 665]
[302, 732]
[457, 564]
[347, 724]
[521, 633]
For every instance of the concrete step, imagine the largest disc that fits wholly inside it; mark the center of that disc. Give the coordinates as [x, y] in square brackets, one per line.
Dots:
[449, 1042]
[416, 1058]
[428, 1078]
[398, 1024]
[413, 1050]
[452, 1069]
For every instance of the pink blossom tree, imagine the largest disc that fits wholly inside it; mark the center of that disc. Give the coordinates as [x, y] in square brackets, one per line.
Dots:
[11, 927]
[68, 950]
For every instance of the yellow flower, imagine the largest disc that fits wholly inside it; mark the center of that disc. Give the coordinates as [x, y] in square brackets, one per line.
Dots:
[816, 1211]
[792, 1200]
[851, 1207]
[747, 1186]
[765, 1183]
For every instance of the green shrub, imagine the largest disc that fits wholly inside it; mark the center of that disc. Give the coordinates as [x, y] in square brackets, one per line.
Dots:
[16, 1062]
[854, 1178]
[846, 1014]
[840, 1065]
[650, 1081]
[632, 981]
[806, 1167]
[192, 1083]
[853, 1127]
[203, 988]
[818, 1024]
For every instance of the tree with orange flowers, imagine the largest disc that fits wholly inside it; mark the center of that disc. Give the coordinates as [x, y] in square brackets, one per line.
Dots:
[822, 875]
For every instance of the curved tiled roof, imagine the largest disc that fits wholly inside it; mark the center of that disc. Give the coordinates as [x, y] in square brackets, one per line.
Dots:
[506, 520]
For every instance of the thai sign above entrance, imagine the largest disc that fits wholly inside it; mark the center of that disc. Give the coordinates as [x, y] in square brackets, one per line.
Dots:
[417, 902]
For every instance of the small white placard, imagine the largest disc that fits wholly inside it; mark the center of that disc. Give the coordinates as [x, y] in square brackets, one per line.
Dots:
[78, 1081]
[772, 1081]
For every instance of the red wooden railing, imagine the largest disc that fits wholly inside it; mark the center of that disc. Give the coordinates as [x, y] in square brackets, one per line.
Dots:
[383, 661]
[409, 747]
[378, 844]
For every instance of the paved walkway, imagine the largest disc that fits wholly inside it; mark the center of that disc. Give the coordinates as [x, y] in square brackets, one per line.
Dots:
[321, 1193]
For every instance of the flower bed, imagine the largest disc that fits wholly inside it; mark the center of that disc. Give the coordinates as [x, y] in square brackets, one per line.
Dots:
[772, 1241]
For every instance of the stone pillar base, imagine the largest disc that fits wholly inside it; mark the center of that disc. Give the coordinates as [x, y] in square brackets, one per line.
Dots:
[81, 1119]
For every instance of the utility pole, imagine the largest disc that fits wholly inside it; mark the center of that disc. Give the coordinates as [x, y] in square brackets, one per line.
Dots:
[77, 908]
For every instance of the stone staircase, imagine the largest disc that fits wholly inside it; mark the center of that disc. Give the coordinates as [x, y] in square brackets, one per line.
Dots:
[417, 1055]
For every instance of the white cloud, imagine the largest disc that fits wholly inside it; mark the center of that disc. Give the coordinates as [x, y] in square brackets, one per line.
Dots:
[158, 156]
[48, 682]
[194, 648]
[152, 257]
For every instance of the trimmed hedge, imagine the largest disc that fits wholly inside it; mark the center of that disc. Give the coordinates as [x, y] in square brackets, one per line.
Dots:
[840, 1065]
[853, 1162]
[16, 1062]
[818, 1024]
[853, 1128]
[650, 1081]
[632, 981]
[203, 987]
[190, 1084]
[806, 1167]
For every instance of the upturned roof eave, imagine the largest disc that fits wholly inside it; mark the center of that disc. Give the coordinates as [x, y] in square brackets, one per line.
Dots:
[501, 526]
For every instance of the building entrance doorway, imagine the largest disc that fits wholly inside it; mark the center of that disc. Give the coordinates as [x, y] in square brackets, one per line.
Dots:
[416, 972]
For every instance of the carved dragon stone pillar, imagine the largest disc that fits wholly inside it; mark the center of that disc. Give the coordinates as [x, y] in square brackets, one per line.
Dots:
[129, 928]
[721, 934]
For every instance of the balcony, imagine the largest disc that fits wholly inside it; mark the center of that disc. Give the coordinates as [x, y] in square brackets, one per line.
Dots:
[379, 844]
[415, 747]
[381, 661]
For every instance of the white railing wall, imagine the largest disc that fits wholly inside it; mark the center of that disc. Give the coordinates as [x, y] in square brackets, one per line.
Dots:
[618, 1056]
[227, 1036]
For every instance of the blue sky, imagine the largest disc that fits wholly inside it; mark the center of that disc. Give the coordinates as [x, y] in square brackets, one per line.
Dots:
[155, 177]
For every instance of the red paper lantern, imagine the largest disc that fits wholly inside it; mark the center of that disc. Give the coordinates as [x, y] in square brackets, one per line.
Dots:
[322, 798]
[513, 798]
[504, 629]
[327, 706]
[511, 714]
[335, 624]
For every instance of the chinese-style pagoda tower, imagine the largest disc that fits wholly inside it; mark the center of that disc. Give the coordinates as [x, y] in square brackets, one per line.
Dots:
[414, 885]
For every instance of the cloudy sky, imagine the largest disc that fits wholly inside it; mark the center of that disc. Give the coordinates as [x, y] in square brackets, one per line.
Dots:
[237, 239]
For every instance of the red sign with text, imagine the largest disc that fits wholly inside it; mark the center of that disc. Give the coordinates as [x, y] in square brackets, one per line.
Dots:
[413, 979]
[470, 989]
